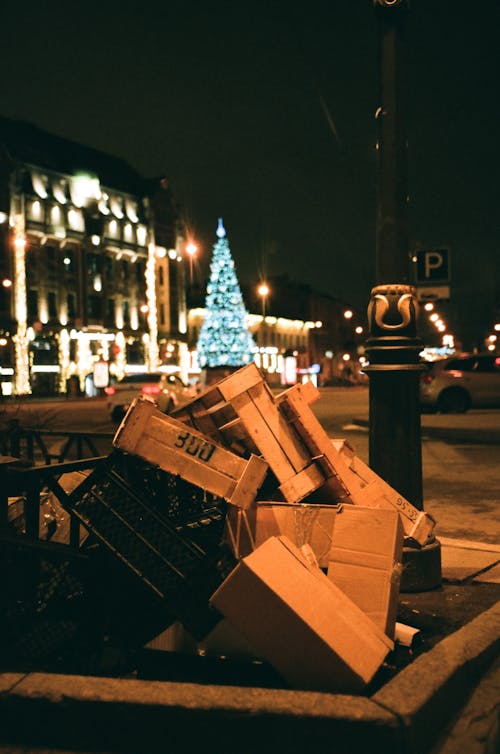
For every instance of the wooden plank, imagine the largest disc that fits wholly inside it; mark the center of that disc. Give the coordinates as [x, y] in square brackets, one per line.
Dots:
[294, 406]
[309, 392]
[249, 482]
[270, 433]
[297, 487]
[241, 381]
[134, 424]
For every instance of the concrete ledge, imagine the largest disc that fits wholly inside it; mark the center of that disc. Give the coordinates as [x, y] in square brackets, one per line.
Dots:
[145, 716]
[113, 715]
[430, 691]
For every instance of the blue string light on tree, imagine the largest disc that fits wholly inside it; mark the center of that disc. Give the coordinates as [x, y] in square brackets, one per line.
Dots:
[225, 339]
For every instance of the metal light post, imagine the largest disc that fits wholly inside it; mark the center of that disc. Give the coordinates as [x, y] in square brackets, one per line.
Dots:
[393, 345]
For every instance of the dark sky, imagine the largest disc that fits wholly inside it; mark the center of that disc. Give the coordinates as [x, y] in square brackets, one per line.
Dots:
[263, 113]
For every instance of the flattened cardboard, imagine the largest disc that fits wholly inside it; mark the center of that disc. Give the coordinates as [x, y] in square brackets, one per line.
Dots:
[365, 561]
[299, 621]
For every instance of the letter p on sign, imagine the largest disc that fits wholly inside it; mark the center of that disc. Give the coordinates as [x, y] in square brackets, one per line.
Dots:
[433, 266]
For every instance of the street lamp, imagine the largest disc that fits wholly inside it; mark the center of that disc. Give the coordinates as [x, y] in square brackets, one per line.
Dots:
[393, 346]
[263, 290]
[191, 249]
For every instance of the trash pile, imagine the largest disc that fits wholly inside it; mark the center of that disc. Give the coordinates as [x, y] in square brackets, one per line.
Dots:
[252, 533]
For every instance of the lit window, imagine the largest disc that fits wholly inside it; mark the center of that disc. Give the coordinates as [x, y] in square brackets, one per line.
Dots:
[39, 184]
[113, 229]
[35, 210]
[142, 235]
[131, 210]
[75, 220]
[116, 206]
[103, 204]
[128, 233]
[59, 191]
[55, 215]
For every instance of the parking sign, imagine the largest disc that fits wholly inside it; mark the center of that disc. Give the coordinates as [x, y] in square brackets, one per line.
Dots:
[433, 266]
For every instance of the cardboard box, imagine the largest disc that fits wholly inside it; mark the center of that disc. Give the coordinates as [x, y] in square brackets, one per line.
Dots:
[365, 561]
[223, 641]
[303, 524]
[299, 621]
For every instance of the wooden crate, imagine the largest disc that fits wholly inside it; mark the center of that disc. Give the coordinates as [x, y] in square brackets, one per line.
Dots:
[240, 412]
[168, 443]
[347, 477]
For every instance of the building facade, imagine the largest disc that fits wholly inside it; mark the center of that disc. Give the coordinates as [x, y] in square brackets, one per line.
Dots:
[86, 266]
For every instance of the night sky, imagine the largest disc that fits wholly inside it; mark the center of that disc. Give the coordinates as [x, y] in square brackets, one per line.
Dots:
[263, 113]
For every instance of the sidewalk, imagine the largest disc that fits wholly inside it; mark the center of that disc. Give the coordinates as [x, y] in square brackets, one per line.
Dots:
[472, 427]
[433, 702]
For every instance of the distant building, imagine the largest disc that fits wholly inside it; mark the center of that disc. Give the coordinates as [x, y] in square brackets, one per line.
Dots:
[91, 266]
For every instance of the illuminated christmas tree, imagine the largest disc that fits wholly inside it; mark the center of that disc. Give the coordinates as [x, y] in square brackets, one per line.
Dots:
[224, 337]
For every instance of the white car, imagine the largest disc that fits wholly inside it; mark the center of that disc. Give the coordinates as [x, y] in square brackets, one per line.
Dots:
[167, 390]
[455, 384]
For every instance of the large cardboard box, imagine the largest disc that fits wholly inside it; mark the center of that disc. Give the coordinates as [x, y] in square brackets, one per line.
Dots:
[365, 561]
[299, 621]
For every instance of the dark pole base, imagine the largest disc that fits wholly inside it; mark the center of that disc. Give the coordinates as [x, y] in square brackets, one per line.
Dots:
[421, 568]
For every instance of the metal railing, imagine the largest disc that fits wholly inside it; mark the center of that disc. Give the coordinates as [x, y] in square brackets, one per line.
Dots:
[28, 483]
[46, 445]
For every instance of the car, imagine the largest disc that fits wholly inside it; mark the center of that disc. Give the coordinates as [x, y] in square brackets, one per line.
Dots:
[457, 383]
[167, 390]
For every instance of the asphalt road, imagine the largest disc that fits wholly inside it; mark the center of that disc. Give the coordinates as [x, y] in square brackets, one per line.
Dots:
[461, 479]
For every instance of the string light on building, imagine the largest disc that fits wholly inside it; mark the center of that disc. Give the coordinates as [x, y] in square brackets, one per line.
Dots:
[64, 358]
[153, 356]
[21, 343]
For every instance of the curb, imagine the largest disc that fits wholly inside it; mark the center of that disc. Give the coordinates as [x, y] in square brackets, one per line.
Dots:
[406, 716]
[476, 436]
[446, 677]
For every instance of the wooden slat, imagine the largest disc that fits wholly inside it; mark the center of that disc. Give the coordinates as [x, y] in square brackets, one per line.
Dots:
[270, 433]
[249, 482]
[300, 485]
[241, 381]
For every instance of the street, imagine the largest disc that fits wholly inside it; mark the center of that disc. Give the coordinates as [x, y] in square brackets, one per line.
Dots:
[461, 480]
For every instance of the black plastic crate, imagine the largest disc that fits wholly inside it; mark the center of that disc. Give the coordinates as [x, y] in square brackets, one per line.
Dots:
[154, 548]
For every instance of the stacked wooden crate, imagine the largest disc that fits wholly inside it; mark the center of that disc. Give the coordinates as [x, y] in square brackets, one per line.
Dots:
[242, 413]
